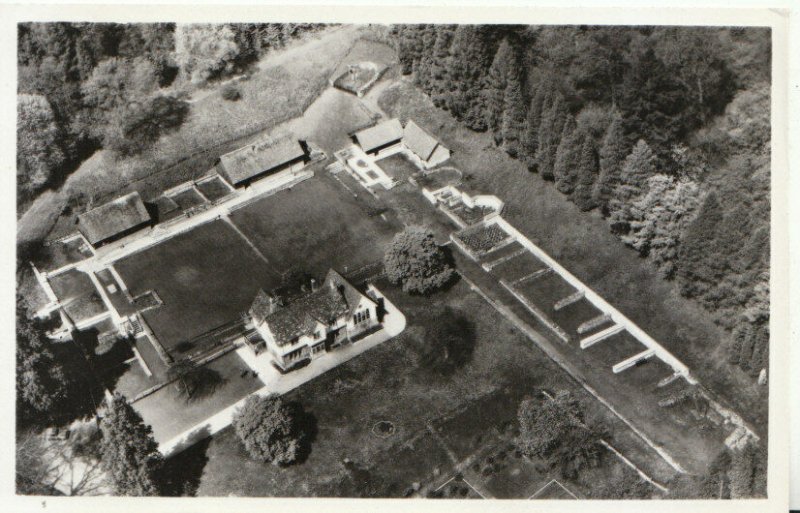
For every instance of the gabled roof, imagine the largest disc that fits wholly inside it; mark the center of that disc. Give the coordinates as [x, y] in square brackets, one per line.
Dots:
[333, 299]
[418, 140]
[112, 218]
[379, 135]
[245, 163]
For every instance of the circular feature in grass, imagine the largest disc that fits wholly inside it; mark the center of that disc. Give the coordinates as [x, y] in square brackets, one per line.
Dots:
[383, 429]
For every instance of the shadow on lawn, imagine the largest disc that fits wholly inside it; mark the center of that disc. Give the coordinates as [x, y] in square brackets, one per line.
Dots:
[180, 476]
[305, 427]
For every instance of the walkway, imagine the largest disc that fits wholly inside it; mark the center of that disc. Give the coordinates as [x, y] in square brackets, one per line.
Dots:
[277, 383]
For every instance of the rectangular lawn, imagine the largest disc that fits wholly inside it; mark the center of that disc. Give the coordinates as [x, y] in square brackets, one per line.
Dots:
[206, 278]
[315, 226]
[170, 413]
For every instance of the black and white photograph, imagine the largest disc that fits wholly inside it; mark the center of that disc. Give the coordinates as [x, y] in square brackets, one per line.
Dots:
[281, 258]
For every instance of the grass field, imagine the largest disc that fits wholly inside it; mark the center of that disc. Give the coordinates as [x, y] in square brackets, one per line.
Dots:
[398, 166]
[205, 277]
[572, 316]
[436, 416]
[170, 413]
[614, 271]
[214, 189]
[315, 226]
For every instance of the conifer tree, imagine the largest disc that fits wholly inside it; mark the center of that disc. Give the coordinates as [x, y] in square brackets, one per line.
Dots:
[586, 176]
[530, 139]
[568, 155]
[550, 134]
[130, 453]
[470, 58]
[422, 66]
[494, 89]
[612, 154]
[513, 119]
[440, 83]
[636, 169]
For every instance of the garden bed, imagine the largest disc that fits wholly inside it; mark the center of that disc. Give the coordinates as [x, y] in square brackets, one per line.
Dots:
[214, 189]
[572, 316]
[438, 178]
[546, 290]
[518, 267]
[71, 284]
[188, 199]
[482, 238]
[614, 349]
[507, 250]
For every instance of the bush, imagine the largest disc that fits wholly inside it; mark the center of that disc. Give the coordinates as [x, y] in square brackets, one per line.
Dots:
[271, 430]
[414, 260]
[231, 93]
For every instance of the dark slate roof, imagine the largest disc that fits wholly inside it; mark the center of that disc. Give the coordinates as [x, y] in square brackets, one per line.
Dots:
[245, 163]
[113, 218]
[379, 135]
[335, 298]
[418, 140]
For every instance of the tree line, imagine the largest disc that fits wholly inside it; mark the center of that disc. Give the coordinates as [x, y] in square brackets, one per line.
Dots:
[85, 86]
[663, 131]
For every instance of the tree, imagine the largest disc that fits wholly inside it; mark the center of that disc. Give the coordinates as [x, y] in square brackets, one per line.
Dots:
[192, 380]
[270, 430]
[42, 386]
[130, 453]
[568, 155]
[550, 130]
[206, 51]
[612, 155]
[748, 473]
[512, 126]
[586, 175]
[555, 429]
[440, 83]
[470, 58]
[636, 169]
[530, 138]
[494, 90]
[39, 152]
[414, 260]
[699, 256]
[135, 128]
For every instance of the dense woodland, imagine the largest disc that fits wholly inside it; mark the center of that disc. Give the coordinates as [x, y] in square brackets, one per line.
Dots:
[663, 131]
[86, 86]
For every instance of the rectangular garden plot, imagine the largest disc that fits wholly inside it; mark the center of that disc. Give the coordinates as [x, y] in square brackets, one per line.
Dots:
[114, 292]
[397, 166]
[570, 317]
[165, 209]
[214, 189]
[85, 307]
[71, 284]
[545, 291]
[521, 266]
[482, 238]
[502, 252]
[60, 253]
[612, 350]
[188, 199]
[646, 374]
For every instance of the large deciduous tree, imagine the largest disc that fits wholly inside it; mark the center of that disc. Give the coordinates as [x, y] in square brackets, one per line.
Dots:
[416, 261]
[129, 452]
[270, 430]
[39, 151]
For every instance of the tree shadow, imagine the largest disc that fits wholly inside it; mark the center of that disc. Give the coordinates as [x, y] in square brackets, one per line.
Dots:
[448, 344]
[305, 428]
[181, 474]
[206, 382]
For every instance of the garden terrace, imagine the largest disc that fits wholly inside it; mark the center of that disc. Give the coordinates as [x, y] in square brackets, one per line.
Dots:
[397, 166]
[165, 209]
[205, 277]
[228, 380]
[114, 293]
[503, 252]
[188, 199]
[545, 291]
[214, 188]
[612, 350]
[85, 307]
[519, 267]
[438, 178]
[357, 78]
[482, 238]
[71, 285]
[315, 226]
[646, 374]
[57, 254]
[469, 216]
[573, 315]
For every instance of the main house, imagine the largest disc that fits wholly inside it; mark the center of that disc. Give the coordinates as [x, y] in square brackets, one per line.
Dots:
[330, 315]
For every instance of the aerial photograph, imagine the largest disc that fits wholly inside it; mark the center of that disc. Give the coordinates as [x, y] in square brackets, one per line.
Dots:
[424, 261]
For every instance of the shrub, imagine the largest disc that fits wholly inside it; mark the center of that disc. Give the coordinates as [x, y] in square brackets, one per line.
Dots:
[414, 260]
[231, 93]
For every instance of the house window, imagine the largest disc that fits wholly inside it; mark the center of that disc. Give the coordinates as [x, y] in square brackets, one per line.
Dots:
[362, 316]
[318, 348]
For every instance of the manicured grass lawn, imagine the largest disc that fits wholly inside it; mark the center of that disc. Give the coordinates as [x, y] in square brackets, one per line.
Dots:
[170, 413]
[583, 244]
[612, 350]
[71, 284]
[188, 199]
[363, 50]
[572, 316]
[496, 254]
[206, 277]
[315, 226]
[398, 166]
[214, 189]
[468, 409]
[546, 290]
[518, 267]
